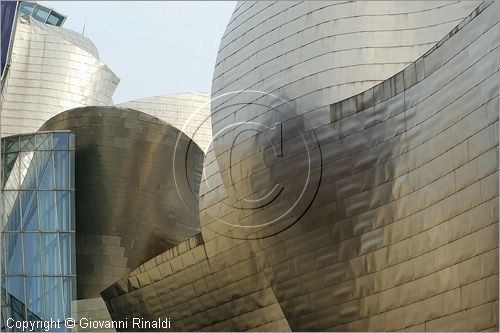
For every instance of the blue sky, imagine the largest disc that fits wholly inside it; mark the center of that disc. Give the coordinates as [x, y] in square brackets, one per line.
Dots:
[154, 47]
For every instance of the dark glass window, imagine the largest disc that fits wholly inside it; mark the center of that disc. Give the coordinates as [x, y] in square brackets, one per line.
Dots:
[27, 142]
[44, 141]
[41, 13]
[12, 145]
[55, 19]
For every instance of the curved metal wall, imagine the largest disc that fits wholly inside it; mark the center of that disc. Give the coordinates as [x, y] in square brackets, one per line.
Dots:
[127, 206]
[51, 70]
[320, 52]
[189, 112]
[397, 228]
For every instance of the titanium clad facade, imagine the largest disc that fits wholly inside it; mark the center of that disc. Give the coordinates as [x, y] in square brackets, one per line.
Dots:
[38, 227]
[375, 213]
[197, 293]
[320, 52]
[189, 112]
[51, 69]
[128, 209]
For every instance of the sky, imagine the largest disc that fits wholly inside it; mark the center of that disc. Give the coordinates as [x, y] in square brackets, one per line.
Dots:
[154, 47]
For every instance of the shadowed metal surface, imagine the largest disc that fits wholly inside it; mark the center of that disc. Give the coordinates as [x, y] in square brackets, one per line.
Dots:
[52, 69]
[127, 208]
[397, 228]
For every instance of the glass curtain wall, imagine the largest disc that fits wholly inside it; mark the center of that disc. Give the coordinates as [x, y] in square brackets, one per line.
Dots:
[38, 280]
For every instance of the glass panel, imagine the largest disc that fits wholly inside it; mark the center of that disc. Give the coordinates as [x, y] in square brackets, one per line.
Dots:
[45, 167]
[27, 170]
[34, 298]
[12, 210]
[47, 211]
[63, 216]
[26, 8]
[61, 141]
[11, 175]
[69, 294]
[15, 291]
[30, 210]
[27, 142]
[53, 298]
[61, 169]
[55, 19]
[66, 241]
[44, 141]
[51, 258]
[40, 13]
[14, 253]
[32, 253]
[12, 145]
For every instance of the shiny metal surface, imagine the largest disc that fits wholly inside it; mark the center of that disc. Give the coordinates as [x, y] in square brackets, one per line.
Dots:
[397, 228]
[52, 69]
[320, 52]
[189, 112]
[127, 208]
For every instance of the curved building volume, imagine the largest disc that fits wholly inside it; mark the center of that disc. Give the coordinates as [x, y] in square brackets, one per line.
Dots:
[189, 112]
[127, 209]
[382, 213]
[350, 180]
[318, 53]
[51, 69]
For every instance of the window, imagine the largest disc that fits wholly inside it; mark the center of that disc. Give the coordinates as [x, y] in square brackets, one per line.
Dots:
[26, 8]
[41, 13]
[55, 19]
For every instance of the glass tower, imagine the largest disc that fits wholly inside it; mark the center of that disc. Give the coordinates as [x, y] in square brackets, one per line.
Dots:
[38, 227]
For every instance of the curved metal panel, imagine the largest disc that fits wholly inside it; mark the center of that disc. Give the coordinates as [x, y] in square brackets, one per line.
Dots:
[399, 230]
[127, 207]
[318, 53]
[189, 112]
[51, 70]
